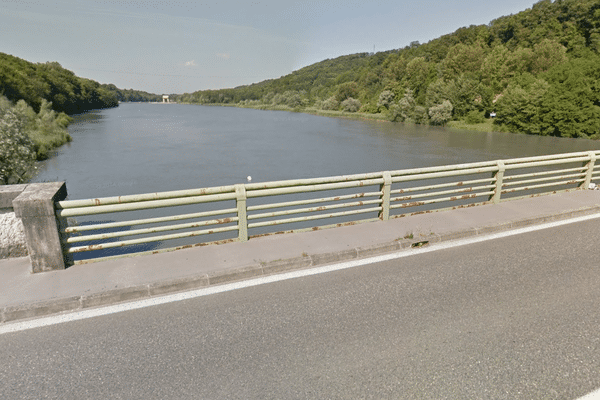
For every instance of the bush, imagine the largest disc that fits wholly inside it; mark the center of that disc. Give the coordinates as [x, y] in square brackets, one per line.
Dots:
[404, 111]
[474, 117]
[440, 114]
[17, 155]
[386, 99]
[330, 104]
[351, 105]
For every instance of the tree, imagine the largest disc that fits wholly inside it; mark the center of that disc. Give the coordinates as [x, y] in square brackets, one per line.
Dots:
[519, 109]
[405, 109]
[331, 104]
[351, 105]
[547, 54]
[440, 114]
[386, 99]
[571, 105]
[346, 90]
[17, 157]
[417, 72]
[463, 59]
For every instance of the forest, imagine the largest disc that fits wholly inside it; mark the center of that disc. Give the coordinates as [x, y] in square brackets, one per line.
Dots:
[36, 100]
[536, 71]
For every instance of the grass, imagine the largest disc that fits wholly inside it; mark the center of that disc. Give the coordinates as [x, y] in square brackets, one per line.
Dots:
[487, 126]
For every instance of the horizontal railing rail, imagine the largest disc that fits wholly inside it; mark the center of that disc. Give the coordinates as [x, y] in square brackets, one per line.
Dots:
[242, 211]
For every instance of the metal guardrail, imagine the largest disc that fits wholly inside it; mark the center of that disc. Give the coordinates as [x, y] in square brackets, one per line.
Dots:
[350, 199]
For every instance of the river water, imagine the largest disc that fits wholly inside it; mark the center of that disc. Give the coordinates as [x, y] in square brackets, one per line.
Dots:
[141, 148]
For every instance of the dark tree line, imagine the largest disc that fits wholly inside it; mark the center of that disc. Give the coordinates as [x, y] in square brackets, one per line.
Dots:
[127, 95]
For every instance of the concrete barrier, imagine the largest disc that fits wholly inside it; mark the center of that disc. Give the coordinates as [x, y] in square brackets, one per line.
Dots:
[12, 236]
[33, 205]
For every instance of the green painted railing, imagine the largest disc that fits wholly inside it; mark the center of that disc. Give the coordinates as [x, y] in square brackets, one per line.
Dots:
[258, 207]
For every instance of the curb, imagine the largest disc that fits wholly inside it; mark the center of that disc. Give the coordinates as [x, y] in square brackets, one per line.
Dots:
[78, 303]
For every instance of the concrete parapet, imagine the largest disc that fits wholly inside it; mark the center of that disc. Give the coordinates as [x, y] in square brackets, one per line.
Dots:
[34, 206]
[8, 193]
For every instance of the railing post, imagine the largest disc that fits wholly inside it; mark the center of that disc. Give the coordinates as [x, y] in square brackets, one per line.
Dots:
[240, 193]
[385, 188]
[35, 207]
[499, 176]
[590, 170]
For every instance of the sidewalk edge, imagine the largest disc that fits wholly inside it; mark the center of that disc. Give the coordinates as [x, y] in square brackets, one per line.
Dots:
[76, 303]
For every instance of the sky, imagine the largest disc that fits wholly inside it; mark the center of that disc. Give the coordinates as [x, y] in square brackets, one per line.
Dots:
[182, 46]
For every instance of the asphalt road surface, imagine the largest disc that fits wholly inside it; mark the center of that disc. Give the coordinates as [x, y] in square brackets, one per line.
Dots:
[511, 318]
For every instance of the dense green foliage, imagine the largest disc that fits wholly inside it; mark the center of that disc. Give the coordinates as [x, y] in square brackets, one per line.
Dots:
[538, 70]
[34, 102]
[26, 136]
[34, 83]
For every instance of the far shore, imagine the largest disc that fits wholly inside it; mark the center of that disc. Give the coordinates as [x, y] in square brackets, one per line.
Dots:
[487, 126]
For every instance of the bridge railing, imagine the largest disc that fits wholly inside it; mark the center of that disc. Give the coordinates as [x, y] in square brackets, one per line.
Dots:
[239, 212]
[101, 228]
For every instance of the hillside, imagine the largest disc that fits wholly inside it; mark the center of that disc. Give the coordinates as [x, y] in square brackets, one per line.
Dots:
[35, 82]
[538, 70]
[34, 102]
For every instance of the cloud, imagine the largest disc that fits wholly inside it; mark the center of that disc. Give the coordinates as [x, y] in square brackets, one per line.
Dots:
[189, 64]
[223, 56]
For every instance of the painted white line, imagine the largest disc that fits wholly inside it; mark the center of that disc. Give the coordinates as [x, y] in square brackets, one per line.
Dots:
[83, 314]
[591, 396]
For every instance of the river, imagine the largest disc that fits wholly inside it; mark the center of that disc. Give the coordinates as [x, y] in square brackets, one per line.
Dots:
[142, 147]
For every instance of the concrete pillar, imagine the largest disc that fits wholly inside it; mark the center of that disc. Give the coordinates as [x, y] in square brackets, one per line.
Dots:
[242, 213]
[589, 170]
[385, 196]
[499, 175]
[35, 207]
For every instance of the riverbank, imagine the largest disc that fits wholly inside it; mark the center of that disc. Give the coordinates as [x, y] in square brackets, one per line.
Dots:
[487, 126]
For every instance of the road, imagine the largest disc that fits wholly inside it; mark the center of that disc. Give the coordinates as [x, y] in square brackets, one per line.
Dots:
[511, 318]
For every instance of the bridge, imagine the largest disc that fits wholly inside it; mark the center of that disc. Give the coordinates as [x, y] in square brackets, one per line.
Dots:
[446, 203]
[496, 300]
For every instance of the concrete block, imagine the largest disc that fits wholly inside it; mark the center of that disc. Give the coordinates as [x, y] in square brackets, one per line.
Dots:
[114, 296]
[39, 309]
[38, 199]
[35, 207]
[178, 285]
[8, 193]
[43, 244]
[218, 277]
[328, 258]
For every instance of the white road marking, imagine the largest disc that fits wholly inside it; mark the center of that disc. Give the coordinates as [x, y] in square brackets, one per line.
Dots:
[591, 396]
[90, 313]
